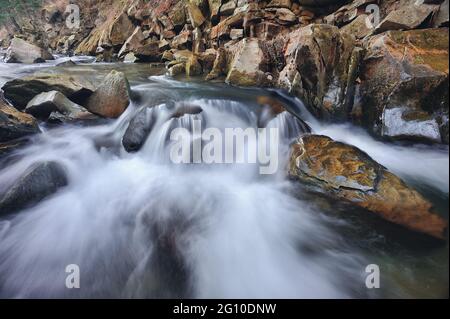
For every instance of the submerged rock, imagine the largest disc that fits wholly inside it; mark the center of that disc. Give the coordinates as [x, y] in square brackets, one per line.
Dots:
[15, 124]
[346, 173]
[112, 96]
[21, 51]
[23, 90]
[138, 130]
[38, 182]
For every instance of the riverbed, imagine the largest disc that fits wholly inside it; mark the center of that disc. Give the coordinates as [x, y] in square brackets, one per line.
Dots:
[139, 227]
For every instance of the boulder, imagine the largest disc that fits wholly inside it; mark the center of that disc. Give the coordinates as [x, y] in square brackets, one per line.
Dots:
[359, 28]
[149, 52]
[21, 51]
[37, 183]
[228, 8]
[280, 4]
[23, 90]
[406, 17]
[321, 68]
[15, 124]
[132, 43]
[346, 173]
[248, 64]
[404, 85]
[112, 96]
[120, 30]
[42, 105]
[138, 130]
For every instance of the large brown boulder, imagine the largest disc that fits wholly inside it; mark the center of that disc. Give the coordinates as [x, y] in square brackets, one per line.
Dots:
[404, 89]
[120, 30]
[248, 64]
[15, 124]
[21, 51]
[346, 173]
[112, 96]
[321, 68]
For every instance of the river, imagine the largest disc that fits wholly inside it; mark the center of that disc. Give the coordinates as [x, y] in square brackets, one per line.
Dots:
[140, 227]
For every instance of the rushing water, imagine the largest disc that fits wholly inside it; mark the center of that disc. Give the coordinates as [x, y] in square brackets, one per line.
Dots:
[139, 226]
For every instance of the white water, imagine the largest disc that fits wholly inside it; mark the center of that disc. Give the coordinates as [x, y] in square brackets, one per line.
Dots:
[139, 226]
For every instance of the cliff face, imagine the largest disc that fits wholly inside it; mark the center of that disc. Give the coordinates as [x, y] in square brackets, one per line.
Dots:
[381, 64]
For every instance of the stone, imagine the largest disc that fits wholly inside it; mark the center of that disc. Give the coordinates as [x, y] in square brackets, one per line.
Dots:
[23, 90]
[120, 30]
[37, 183]
[138, 130]
[132, 43]
[42, 105]
[14, 124]
[236, 34]
[149, 52]
[214, 8]
[248, 64]
[112, 97]
[195, 15]
[346, 173]
[359, 27]
[441, 18]
[406, 18]
[321, 68]
[404, 81]
[21, 51]
[130, 58]
[280, 4]
[228, 8]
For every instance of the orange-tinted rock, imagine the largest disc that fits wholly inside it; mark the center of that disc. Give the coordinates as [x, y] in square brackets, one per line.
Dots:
[346, 173]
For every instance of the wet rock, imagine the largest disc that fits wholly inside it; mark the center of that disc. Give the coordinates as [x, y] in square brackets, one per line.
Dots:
[405, 83]
[37, 183]
[346, 173]
[112, 96]
[21, 51]
[406, 17]
[404, 123]
[15, 124]
[23, 90]
[42, 105]
[248, 64]
[67, 63]
[182, 109]
[138, 130]
[321, 68]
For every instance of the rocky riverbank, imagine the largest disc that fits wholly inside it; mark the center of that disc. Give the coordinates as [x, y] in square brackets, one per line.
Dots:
[390, 77]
